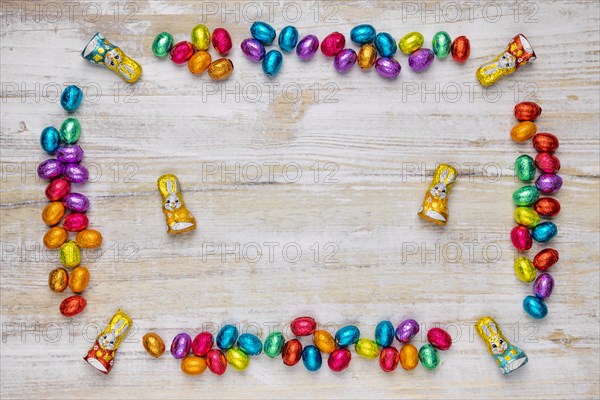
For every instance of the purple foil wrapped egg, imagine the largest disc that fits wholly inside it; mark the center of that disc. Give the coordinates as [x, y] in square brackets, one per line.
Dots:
[307, 47]
[421, 59]
[407, 330]
[253, 49]
[548, 183]
[76, 202]
[69, 154]
[387, 67]
[344, 60]
[181, 345]
[543, 285]
[76, 173]
[50, 169]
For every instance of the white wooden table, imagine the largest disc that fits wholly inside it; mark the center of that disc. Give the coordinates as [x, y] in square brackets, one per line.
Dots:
[366, 149]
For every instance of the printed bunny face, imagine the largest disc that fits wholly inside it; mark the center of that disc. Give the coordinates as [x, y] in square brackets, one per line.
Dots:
[439, 191]
[498, 346]
[108, 340]
[172, 202]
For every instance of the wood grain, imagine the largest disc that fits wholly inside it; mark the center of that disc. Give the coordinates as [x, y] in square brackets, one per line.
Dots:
[374, 143]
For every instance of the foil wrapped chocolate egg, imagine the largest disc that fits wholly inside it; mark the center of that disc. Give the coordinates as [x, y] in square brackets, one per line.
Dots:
[70, 130]
[525, 168]
[71, 306]
[407, 330]
[199, 62]
[50, 139]
[409, 357]
[89, 239]
[193, 365]
[363, 34]
[288, 39]
[274, 344]
[545, 142]
[70, 254]
[200, 37]
[384, 333]
[57, 189]
[303, 326]
[439, 338]
[420, 59]
[411, 42]
[76, 173]
[55, 237]
[237, 358]
[347, 336]
[69, 154]
[226, 337]
[339, 360]
[53, 213]
[153, 344]
[548, 183]
[271, 63]
[253, 49]
[307, 47]
[387, 67]
[521, 238]
[547, 163]
[524, 269]
[523, 131]
[291, 352]
[527, 217]
[543, 285]
[75, 222]
[527, 111]
[71, 97]
[216, 362]
[367, 348]
[440, 44]
[263, 32]
[388, 359]
[311, 358]
[460, 49]
[250, 344]
[162, 44]
[344, 60]
[182, 52]
[429, 357]
[385, 44]
[221, 41]
[545, 259]
[544, 232]
[220, 69]
[526, 196]
[79, 279]
[202, 344]
[535, 307]
[76, 202]
[366, 56]
[58, 280]
[50, 169]
[324, 341]
[333, 44]
[181, 345]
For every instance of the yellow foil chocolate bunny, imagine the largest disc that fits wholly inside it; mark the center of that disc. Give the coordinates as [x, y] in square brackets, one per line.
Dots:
[101, 51]
[507, 356]
[435, 204]
[178, 218]
[518, 53]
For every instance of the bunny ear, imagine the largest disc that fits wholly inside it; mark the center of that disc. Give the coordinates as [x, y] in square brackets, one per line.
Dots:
[176, 186]
[450, 178]
[123, 330]
[493, 328]
[118, 325]
[169, 186]
[444, 175]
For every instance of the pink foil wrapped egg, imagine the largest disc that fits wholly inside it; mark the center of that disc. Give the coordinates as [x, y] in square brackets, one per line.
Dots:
[439, 338]
[521, 238]
[202, 344]
[303, 326]
[182, 52]
[339, 359]
[333, 44]
[75, 222]
[57, 189]
[221, 41]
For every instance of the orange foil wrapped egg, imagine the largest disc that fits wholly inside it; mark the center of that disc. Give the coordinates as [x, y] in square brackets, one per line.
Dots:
[71, 306]
[527, 111]
[53, 213]
[523, 131]
[58, 280]
[547, 207]
[461, 49]
[55, 237]
[89, 239]
[80, 276]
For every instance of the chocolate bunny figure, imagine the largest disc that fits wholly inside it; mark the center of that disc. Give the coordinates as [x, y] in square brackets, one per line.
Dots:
[178, 218]
[435, 204]
[507, 356]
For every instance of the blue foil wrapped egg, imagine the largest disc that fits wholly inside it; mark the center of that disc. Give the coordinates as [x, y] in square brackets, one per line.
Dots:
[50, 139]
[385, 44]
[384, 333]
[544, 232]
[227, 337]
[263, 32]
[288, 38]
[363, 34]
[271, 63]
[250, 344]
[535, 307]
[71, 98]
[311, 357]
[347, 335]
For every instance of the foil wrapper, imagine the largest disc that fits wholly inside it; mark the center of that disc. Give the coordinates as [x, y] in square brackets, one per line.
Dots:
[518, 53]
[178, 218]
[435, 204]
[102, 354]
[508, 357]
[101, 51]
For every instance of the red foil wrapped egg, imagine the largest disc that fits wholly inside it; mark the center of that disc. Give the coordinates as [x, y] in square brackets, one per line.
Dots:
[216, 361]
[57, 189]
[461, 49]
[333, 44]
[547, 207]
[545, 259]
[527, 111]
[72, 306]
[303, 326]
[292, 352]
[339, 359]
[545, 142]
[389, 358]
[439, 338]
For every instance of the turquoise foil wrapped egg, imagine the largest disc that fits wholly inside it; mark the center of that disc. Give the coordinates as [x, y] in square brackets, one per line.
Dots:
[250, 344]
[535, 307]
[384, 333]
[441, 43]
[288, 38]
[227, 337]
[271, 63]
[385, 44]
[544, 232]
[363, 34]
[347, 336]
[70, 98]
[263, 32]
[311, 358]
[50, 139]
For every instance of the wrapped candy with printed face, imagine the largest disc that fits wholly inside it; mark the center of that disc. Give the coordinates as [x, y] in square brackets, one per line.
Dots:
[435, 205]
[507, 356]
[102, 354]
[518, 53]
[178, 218]
[100, 51]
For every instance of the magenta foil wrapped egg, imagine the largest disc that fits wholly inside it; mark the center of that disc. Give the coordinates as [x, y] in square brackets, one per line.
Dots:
[543, 285]
[521, 238]
[202, 344]
[344, 60]
[421, 59]
[76, 202]
[182, 52]
[50, 169]
[76, 173]
[387, 67]
[548, 183]
[253, 49]
[307, 47]
[439, 338]
[181, 345]
[69, 154]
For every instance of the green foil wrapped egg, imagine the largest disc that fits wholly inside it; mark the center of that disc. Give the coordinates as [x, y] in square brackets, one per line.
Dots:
[527, 217]
[70, 131]
[441, 43]
[429, 356]
[274, 344]
[525, 168]
[162, 44]
[526, 196]
[524, 269]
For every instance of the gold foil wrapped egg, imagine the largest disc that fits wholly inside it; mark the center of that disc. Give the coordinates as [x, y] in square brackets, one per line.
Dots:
[201, 37]
[58, 280]
[53, 213]
[409, 357]
[55, 237]
[324, 341]
[199, 62]
[220, 69]
[367, 56]
[89, 239]
[69, 254]
[153, 344]
[523, 131]
[79, 278]
[193, 365]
